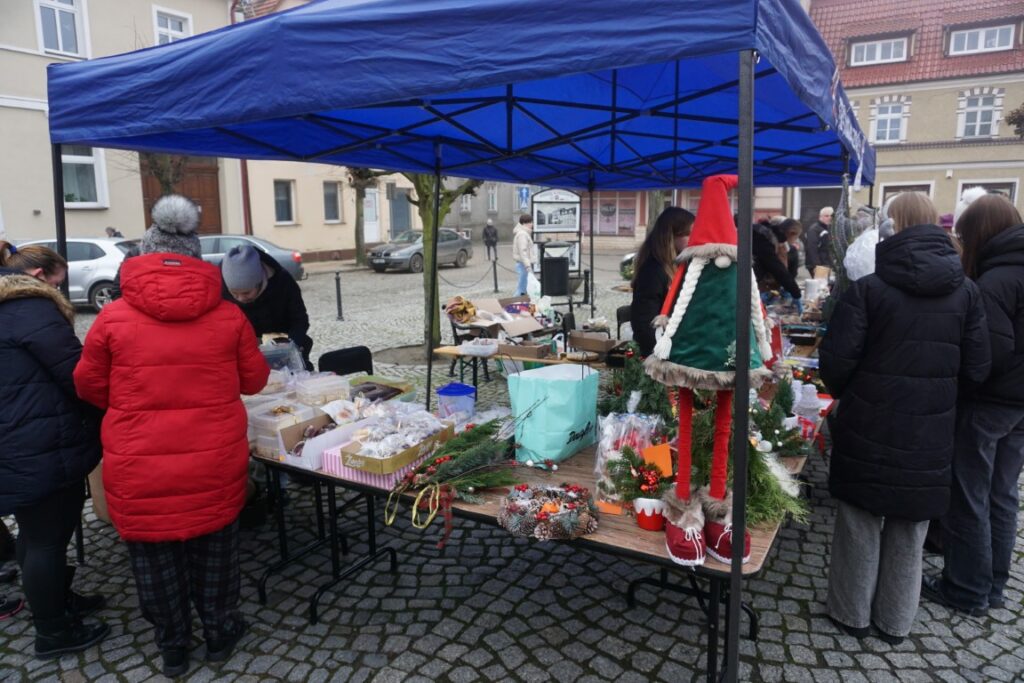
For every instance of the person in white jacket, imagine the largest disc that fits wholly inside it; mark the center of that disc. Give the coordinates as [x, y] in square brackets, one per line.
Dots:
[522, 251]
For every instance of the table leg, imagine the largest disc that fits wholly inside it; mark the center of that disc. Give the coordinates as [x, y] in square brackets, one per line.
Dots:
[318, 494]
[715, 598]
[475, 363]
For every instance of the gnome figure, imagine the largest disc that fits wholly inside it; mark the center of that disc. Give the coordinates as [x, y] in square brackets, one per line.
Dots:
[697, 350]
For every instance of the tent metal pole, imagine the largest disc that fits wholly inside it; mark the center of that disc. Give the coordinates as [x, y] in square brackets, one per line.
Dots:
[58, 207]
[741, 416]
[593, 270]
[433, 270]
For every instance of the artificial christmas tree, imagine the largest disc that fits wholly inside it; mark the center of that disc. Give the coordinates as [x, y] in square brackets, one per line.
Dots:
[697, 350]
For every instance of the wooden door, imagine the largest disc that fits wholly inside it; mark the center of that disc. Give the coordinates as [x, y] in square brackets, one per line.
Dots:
[200, 184]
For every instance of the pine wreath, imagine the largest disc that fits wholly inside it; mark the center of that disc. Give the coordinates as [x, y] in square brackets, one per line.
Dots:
[548, 512]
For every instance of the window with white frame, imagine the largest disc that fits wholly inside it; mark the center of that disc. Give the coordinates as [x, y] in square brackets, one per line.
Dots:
[889, 123]
[890, 191]
[978, 113]
[171, 26]
[332, 202]
[884, 51]
[85, 183]
[1007, 188]
[466, 203]
[61, 26]
[492, 199]
[284, 202]
[982, 39]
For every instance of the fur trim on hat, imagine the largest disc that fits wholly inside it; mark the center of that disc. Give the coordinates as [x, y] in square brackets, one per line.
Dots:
[28, 287]
[709, 251]
[659, 322]
[966, 199]
[175, 214]
[675, 375]
[685, 514]
[715, 510]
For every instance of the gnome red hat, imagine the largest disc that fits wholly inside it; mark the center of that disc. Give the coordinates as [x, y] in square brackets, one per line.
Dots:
[714, 231]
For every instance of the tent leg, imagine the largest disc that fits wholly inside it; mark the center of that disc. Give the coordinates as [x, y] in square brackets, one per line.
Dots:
[431, 312]
[593, 270]
[741, 403]
[58, 207]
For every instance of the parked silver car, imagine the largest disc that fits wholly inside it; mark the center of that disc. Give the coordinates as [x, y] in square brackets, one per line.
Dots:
[406, 251]
[215, 246]
[92, 265]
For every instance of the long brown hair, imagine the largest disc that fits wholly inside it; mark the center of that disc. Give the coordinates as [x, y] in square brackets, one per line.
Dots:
[660, 242]
[912, 208]
[985, 218]
[31, 257]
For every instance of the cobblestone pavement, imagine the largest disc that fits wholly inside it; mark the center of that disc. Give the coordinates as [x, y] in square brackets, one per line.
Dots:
[488, 607]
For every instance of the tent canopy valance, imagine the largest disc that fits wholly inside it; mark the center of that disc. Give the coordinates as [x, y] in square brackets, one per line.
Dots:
[628, 94]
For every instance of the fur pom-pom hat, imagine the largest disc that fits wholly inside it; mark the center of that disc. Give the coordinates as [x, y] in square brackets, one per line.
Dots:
[175, 220]
[968, 196]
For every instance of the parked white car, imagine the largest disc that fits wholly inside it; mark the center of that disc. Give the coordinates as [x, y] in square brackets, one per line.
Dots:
[92, 265]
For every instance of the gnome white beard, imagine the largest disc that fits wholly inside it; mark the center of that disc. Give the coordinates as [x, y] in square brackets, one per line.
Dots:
[764, 347]
[663, 348]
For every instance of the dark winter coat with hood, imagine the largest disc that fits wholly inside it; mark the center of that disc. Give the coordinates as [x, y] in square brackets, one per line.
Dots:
[50, 438]
[900, 344]
[1001, 281]
[279, 308]
[168, 363]
[650, 287]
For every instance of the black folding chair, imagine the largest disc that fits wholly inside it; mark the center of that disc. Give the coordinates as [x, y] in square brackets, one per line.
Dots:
[347, 361]
[461, 333]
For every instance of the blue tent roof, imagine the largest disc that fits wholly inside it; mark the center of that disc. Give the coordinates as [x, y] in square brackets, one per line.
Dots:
[624, 93]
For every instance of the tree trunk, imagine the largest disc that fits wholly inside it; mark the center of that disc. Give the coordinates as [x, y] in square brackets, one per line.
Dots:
[425, 188]
[360, 236]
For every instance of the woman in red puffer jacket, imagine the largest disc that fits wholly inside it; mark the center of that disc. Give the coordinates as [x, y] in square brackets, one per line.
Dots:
[168, 363]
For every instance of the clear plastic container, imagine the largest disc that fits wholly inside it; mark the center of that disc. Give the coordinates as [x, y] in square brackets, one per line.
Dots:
[321, 389]
[270, 418]
[267, 446]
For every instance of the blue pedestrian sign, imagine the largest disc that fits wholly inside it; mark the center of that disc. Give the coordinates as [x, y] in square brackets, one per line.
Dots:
[524, 197]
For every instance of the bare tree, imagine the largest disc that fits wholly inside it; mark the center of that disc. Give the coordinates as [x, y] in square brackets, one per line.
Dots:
[361, 179]
[168, 169]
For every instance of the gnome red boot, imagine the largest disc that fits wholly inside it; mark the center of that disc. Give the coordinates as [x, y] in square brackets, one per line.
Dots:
[718, 528]
[684, 521]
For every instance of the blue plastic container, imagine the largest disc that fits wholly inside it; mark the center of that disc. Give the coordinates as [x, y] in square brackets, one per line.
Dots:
[456, 398]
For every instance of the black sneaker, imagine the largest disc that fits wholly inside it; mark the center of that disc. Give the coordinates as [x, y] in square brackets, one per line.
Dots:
[8, 575]
[931, 588]
[997, 603]
[220, 649]
[175, 661]
[852, 631]
[67, 635]
[9, 606]
[887, 637]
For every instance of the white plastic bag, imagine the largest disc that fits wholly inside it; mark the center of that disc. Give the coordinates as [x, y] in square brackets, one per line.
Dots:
[532, 286]
[860, 257]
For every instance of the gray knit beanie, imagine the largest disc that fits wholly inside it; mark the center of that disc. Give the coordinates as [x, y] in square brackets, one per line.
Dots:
[175, 220]
[242, 269]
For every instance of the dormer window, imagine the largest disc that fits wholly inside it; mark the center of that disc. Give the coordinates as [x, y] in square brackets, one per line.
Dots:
[972, 41]
[883, 51]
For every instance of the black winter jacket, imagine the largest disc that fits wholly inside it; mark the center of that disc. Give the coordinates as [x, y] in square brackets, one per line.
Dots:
[279, 308]
[650, 287]
[898, 345]
[1001, 281]
[50, 438]
[769, 270]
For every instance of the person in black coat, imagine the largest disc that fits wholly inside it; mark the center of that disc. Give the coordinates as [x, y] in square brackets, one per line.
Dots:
[653, 268]
[269, 296]
[50, 443]
[491, 240]
[771, 261]
[980, 529]
[900, 344]
[816, 241]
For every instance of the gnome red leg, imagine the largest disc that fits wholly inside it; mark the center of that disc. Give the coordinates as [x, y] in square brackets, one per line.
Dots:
[717, 499]
[684, 536]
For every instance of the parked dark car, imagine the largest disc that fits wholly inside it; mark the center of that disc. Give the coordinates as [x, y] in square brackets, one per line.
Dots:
[215, 246]
[405, 252]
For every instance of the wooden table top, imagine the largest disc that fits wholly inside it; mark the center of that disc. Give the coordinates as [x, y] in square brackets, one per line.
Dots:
[453, 352]
[617, 534]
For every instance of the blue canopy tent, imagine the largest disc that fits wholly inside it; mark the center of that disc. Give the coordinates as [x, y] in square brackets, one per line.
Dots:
[607, 94]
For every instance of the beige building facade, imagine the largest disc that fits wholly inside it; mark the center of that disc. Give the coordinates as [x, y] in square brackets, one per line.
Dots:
[102, 187]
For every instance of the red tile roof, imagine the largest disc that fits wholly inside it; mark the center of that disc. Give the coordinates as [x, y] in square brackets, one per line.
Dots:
[928, 21]
[258, 8]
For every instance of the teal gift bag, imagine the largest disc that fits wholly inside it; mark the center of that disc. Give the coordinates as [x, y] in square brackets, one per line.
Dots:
[556, 411]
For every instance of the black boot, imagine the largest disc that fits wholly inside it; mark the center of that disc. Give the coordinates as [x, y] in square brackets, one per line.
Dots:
[55, 637]
[175, 661]
[77, 604]
[220, 649]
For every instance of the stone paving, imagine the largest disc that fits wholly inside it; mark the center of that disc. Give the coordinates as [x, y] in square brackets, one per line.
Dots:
[488, 607]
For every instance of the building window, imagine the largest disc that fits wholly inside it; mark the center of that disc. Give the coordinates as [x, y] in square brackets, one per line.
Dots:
[615, 213]
[878, 52]
[466, 203]
[1007, 188]
[284, 202]
[986, 39]
[60, 23]
[492, 199]
[332, 202]
[890, 191]
[978, 113]
[170, 26]
[85, 185]
[889, 116]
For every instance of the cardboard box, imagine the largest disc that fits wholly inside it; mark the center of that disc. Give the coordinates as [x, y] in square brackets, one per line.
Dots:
[313, 452]
[408, 390]
[524, 350]
[351, 458]
[592, 341]
[516, 327]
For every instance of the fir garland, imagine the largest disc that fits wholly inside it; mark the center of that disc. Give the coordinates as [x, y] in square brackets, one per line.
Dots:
[654, 396]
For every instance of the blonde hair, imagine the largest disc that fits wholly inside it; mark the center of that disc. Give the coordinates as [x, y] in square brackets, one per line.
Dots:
[31, 257]
[912, 208]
